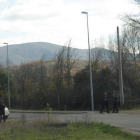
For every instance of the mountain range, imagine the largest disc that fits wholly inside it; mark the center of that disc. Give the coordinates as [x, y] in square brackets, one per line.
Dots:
[26, 52]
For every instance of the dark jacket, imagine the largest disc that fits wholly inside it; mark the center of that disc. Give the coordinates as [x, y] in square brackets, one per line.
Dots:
[2, 106]
[115, 100]
[104, 100]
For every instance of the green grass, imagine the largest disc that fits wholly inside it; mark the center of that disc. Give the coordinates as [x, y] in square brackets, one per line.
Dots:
[75, 131]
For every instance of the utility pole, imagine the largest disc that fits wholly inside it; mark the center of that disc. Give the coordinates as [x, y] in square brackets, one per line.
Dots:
[120, 71]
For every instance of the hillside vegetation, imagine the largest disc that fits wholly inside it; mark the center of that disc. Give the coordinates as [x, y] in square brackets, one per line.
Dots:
[63, 83]
[26, 52]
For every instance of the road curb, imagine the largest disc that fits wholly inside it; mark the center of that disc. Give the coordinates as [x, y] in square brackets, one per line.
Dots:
[49, 112]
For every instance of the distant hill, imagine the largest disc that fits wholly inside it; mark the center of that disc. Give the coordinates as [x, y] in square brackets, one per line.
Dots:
[23, 53]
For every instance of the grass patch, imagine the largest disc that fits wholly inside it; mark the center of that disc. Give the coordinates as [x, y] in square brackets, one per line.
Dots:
[38, 130]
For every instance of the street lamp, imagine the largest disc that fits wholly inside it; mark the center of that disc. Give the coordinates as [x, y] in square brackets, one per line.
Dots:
[90, 70]
[8, 74]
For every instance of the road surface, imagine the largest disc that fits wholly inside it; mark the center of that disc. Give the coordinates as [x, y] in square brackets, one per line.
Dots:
[125, 120]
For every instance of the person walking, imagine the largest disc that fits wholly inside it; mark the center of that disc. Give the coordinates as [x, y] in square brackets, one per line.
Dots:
[115, 103]
[104, 103]
[2, 109]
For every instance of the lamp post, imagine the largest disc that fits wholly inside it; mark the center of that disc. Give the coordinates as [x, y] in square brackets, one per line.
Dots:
[8, 74]
[90, 70]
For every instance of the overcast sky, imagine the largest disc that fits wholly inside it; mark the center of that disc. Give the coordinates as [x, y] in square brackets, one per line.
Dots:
[57, 21]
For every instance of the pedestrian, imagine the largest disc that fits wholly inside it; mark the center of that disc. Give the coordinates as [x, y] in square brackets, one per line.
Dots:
[104, 103]
[2, 109]
[115, 103]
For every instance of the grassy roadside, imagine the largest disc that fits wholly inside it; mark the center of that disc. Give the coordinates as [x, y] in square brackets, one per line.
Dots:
[39, 130]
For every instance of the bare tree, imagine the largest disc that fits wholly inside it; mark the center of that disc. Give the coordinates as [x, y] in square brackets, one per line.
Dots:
[58, 73]
[131, 19]
[99, 53]
[65, 61]
[96, 52]
[113, 52]
[21, 74]
[43, 80]
[129, 44]
[71, 56]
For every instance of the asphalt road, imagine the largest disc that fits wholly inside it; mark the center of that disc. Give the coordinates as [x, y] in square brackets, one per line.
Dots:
[129, 121]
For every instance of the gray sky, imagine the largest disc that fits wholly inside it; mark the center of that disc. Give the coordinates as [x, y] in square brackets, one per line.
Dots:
[57, 21]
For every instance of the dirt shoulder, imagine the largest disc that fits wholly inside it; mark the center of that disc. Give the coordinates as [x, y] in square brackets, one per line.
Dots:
[134, 111]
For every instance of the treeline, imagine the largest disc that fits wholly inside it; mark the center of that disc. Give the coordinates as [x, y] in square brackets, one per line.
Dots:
[45, 85]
